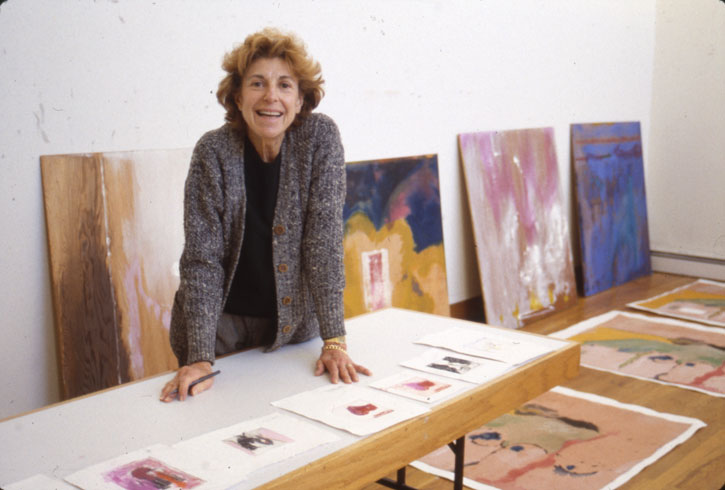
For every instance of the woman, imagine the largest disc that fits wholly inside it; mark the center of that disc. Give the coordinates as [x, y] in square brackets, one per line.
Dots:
[263, 260]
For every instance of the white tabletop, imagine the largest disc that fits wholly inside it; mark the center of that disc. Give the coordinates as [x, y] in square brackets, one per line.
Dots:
[70, 436]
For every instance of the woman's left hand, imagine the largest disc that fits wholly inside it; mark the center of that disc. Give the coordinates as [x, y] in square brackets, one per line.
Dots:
[340, 366]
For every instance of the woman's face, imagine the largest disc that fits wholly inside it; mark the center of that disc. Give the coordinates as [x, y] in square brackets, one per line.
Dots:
[269, 100]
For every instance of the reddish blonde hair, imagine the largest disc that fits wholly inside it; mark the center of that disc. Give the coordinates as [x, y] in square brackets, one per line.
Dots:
[269, 43]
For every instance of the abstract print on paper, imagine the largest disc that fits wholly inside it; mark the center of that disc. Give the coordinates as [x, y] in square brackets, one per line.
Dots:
[519, 223]
[394, 237]
[702, 300]
[611, 203]
[654, 349]
[151, 474]
[564, 439]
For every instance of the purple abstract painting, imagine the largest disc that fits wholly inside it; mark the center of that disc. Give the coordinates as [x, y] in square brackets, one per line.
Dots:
[611, 204]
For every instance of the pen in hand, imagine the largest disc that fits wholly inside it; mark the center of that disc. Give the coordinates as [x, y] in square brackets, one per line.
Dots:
[195, 382]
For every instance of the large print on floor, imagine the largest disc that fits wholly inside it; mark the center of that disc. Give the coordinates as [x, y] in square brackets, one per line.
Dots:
[394, 237]
[664, 350]
[564, 439]
[520, 225]
[611, 203]
[701, 300]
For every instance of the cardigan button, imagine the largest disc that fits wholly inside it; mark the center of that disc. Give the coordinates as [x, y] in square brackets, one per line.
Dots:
[287, 329]
[286, 300]
[282, 268]
[279, 230]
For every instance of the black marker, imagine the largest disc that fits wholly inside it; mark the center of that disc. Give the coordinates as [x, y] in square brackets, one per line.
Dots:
[195, 382]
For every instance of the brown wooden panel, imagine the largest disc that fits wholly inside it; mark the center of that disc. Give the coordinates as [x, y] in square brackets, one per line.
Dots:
[85, 319]
[115, 234]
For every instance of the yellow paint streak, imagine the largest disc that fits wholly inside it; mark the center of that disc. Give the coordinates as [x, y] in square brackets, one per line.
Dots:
[606, 333]
[534, 302]
[418, 280]
[680, 295]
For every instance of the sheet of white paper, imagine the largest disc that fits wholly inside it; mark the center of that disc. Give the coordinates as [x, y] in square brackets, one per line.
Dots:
[40, 482]
[501, 345]
[151, 468]
[422, 387]
[457, 366]
[253, 444]
[353, 408]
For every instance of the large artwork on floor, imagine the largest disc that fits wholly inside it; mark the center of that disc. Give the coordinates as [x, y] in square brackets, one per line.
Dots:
[611, 204]
[564, 439]
[667, 351]
[701, 300]
[520, 224]
[393, 237]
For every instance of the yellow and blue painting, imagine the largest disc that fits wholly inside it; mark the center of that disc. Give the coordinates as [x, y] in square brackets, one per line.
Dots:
[611, 204]
[394, 255]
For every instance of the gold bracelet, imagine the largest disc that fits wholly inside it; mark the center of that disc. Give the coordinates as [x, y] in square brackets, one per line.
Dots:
[334, 347]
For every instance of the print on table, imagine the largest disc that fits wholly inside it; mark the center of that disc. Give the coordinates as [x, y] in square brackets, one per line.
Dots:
[562, 440]
[363, 408]
[457, 366]
[259, 441]
[452, 364]
[151, 474]
[424, 388]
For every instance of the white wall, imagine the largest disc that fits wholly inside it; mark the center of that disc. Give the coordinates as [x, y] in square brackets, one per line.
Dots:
[686, 162]
[403, 78]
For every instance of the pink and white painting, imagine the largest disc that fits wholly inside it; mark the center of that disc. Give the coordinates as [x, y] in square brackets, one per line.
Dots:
[520, 224]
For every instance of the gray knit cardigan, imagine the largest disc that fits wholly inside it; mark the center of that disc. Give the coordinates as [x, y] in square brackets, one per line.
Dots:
[307, 237]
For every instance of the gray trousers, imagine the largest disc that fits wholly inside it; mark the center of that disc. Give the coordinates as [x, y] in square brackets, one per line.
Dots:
[235, 333]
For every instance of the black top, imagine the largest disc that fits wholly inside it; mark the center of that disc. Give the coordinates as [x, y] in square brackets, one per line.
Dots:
[253, 291]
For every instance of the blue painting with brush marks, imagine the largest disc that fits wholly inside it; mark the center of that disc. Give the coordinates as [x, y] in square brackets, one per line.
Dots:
[611, 204]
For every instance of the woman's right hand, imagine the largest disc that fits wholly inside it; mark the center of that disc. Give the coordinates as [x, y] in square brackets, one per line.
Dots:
[179, 386]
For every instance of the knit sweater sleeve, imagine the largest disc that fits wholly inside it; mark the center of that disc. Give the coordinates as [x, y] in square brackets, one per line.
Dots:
[322, 241]
[201, 264]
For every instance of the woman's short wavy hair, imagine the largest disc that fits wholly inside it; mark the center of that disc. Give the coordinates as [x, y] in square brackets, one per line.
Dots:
[270, 43]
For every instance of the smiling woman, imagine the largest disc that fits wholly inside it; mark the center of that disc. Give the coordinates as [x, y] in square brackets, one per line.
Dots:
[263, 260]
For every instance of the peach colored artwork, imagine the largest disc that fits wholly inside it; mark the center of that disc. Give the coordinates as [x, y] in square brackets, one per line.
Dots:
[702, 301]
[664, 350]
[565, 439]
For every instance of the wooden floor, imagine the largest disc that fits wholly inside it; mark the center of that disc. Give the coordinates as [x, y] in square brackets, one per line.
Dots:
[697, 464]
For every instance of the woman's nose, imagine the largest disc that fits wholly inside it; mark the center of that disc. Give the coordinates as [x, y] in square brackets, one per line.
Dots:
[270, 93]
